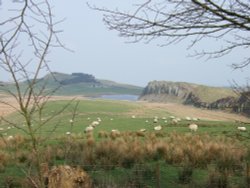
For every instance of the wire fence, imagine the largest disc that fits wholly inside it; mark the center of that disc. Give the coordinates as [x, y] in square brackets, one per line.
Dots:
[156, 175]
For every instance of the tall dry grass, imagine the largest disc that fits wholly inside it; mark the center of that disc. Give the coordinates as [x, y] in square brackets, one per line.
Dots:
[129, 148]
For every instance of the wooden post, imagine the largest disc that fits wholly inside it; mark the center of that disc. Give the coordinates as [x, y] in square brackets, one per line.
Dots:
[157, 175]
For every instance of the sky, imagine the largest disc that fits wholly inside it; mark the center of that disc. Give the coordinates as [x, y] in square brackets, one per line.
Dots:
[104, 54]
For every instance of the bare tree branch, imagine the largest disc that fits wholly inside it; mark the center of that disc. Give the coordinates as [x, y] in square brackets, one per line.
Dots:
[176, 20]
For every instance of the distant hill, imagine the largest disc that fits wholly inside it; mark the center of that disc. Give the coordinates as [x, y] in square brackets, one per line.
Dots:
[81, 84]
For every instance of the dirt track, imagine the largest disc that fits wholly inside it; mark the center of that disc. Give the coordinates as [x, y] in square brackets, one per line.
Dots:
[183, 111]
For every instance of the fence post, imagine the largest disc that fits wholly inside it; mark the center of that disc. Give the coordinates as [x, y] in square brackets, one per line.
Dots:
[248, 175]
[157, 175]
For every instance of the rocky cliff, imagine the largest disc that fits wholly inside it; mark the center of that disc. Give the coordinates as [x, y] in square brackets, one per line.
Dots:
[196, 95]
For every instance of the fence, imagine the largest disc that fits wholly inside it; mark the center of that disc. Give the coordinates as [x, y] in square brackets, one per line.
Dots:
[158, 175]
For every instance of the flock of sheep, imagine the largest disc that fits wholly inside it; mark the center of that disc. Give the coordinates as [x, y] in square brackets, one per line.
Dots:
[193, 127]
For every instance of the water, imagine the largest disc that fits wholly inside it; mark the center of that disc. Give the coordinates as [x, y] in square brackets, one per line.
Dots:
[120, 97]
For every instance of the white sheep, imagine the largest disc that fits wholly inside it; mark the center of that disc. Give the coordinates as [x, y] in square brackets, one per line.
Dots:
[10, 138]
[71, 121]
[115, 131]
[142, 130]
[178, 119]
[242, 128]
[155, 120]
[193, 127]
[1, 129]
[146, 121]
[175, 121]
[172, 117]
[195, 119]
[164, 118]
[99, 119]
[89, 129]
[188, 118]
[68, 133]
[158, 128]
[94, 123]
[133, 116]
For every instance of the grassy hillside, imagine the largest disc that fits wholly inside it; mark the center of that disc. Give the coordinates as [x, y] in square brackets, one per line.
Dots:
[211, 94]
[78, 84]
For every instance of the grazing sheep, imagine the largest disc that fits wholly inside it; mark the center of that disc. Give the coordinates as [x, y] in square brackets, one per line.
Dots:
[133, 116]
[175, 121]
[99, 119]
[111, 119]
[242, 128]
[155, 120]
[158, 128]
[193, 127]
[195, 119]
[68, 133]
[115, 133]
[89, 129]
[94, 123]
[164, 118]
[188, 118]
[8, 127]
[178, 119]
[1, 129]
[10, 138]
[146, 121]
[166, 121]
[172, 117]
[71, 121]
[142, 130]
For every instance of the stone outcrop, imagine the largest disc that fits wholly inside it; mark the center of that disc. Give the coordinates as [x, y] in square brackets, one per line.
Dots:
[190, 94]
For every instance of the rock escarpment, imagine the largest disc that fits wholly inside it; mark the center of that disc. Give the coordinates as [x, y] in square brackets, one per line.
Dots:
[196, 95]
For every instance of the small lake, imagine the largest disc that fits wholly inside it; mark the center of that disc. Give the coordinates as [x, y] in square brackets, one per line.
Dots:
[120, 97]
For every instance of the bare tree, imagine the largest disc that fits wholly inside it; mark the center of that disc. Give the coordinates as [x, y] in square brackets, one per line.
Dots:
[27, 33]
[197, 20]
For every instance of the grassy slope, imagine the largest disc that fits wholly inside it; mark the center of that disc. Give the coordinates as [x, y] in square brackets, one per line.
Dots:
[211, 94]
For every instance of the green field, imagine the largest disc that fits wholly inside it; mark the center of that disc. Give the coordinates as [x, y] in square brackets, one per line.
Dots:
[120, 112]
[171, 147]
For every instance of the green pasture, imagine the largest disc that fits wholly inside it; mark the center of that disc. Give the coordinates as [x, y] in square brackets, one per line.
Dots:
[113, 115]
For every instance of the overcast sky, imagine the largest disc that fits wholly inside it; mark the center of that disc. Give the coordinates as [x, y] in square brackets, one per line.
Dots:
[102, 53]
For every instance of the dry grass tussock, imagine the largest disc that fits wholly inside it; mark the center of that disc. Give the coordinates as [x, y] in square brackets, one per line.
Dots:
[127, 149]
[64, 176]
